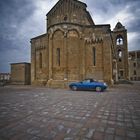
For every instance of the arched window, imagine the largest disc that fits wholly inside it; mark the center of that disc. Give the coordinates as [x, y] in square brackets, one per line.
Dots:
[40, 60]
[94, 56]
[134, 65]
[58, 56]
[120, 55]
[65, 18]
[119, 40]
[135, 73]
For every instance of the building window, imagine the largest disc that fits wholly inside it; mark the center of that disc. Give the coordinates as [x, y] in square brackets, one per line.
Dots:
[120, 55]
[135, 73]
[65, 18]
[40, 60]
[134, 64]
[119, 40]
[121, 73]
[94, 56]
[58, 56]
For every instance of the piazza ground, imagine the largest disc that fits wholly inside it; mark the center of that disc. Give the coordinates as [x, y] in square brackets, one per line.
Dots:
[38, 113]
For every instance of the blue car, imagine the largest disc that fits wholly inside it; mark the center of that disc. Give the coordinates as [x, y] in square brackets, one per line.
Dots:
[88, 84]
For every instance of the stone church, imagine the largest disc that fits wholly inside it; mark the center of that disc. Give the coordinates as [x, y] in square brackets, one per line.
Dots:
[74, 48]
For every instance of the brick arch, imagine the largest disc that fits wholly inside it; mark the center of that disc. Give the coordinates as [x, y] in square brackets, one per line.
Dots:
[73, 33]
[119, 36]
[58, 33]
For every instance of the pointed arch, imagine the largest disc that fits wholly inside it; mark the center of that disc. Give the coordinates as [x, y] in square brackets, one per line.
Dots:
[120, 54]
[58, 33]
[119, 40]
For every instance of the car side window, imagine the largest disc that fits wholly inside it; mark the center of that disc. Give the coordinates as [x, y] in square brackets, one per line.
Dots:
[86, 81]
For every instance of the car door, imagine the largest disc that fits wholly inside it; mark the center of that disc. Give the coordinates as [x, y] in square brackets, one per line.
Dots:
[86, 85]
[92, 85]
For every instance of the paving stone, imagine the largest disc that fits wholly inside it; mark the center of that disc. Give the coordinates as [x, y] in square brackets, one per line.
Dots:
[111, 122]
[119, 138]
[90, 133]
[104, 121]
[108, 137]
[110, 130]
[120, 124]
[101, 129]
[98, 136]
[33, 131]
[120, 131]
[68, 138]
[56, 114]
[131, 134]
[129, 125]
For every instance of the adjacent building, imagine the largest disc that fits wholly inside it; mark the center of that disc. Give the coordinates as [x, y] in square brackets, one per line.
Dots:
[5, 77]
[20, 73]
[134, 65]
[74, 48]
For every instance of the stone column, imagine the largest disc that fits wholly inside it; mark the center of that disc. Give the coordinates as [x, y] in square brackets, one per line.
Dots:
[65, 57]
[82, 58]
[85, 59]
[50, 57]
[107, 59]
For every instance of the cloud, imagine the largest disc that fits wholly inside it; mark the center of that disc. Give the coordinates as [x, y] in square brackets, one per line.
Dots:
[134, 40]
[13, 44]
[21, 20]
[112, 11]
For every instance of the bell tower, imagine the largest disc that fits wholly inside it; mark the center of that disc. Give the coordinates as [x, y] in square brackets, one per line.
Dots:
[121, 50]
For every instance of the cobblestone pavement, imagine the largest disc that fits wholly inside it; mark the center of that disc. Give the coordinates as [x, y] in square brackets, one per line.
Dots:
[33, 113]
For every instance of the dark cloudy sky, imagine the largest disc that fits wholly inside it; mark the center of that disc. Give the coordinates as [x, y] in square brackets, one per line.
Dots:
[20, 20]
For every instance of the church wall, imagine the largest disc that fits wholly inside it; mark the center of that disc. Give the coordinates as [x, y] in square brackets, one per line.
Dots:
[94, 71]
[107, 59]
[39, 60]
[122, 61]
[67, 66]
[73, 54]
[69, 11]
[58, 56]
[74, 48]
[75, 59]
[95, 64]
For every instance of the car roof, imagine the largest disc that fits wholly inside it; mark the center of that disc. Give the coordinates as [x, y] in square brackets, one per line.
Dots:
[91, 80]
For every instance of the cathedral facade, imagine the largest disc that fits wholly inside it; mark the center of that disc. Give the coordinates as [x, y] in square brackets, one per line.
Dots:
[74, 48]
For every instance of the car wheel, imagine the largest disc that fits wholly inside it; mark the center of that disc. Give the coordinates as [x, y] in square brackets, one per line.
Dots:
[98, 89]
[74, 88]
